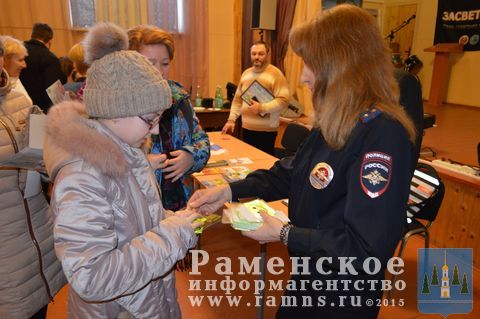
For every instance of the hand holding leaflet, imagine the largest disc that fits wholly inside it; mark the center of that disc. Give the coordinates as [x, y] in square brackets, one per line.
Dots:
[246, 216]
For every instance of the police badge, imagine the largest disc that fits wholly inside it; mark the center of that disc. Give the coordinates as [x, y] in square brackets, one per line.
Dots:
[321, 175]
[375, 173]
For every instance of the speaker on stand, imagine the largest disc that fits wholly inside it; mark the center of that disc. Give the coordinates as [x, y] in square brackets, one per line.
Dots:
[264, 15]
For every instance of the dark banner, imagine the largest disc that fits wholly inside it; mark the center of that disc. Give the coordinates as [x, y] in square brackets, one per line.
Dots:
[458, 21]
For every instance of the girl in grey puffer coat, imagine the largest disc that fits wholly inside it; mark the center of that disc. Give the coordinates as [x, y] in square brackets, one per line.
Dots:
[116, 243]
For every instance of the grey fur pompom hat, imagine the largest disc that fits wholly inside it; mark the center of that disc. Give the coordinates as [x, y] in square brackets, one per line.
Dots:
[120, 83]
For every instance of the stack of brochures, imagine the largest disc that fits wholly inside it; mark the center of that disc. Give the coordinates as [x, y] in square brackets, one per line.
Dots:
[214, 182]
[235, 173]
[246, 216]
[225, 175]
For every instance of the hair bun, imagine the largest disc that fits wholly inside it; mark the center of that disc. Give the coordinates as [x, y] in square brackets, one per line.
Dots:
[102, 39]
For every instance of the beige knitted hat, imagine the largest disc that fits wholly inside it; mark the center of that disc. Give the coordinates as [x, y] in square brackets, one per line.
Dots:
[120, 83]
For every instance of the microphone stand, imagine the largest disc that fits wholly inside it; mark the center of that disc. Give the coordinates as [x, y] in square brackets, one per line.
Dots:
[392, 32]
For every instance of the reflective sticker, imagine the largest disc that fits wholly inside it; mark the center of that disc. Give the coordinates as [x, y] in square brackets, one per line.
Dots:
[375, 173]
[321, 175]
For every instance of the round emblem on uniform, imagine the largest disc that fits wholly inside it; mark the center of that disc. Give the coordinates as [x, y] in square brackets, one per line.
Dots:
[375, 173]
[321, 175]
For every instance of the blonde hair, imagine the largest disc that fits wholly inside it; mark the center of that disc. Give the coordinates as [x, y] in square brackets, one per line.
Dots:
[344, 49]
[143, 35]
[77, 55]
[12, 46]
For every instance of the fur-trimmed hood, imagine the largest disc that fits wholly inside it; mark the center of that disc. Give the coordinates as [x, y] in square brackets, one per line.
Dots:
[71, 136]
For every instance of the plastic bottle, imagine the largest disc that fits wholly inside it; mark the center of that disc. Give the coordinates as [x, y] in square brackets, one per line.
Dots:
[218, 97]
[198, 97]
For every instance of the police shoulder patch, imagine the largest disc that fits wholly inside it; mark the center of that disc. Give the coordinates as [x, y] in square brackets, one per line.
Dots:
[375, 173]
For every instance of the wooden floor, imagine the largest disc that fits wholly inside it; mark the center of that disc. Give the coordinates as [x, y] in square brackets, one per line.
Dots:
[457, 133]
[455, 137]
[228, 243]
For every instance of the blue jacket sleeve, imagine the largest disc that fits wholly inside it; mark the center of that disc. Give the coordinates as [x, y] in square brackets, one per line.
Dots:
[199, 146]
[188, 135]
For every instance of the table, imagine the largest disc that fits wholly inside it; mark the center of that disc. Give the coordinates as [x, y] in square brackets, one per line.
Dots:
[233, 148]
[236, 148]
[458, 220]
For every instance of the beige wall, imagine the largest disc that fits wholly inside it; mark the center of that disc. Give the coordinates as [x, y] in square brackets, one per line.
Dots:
[464, 77]
[221, 44]
[390, 14]
[18, 16]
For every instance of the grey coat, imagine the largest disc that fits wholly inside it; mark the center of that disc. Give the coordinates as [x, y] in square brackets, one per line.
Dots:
[29, 271]
[116, 247]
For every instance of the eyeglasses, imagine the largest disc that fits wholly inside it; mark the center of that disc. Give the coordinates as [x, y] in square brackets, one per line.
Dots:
[150, 122]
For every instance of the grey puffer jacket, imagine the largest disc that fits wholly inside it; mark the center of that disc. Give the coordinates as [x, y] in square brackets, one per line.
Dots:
[116, 247]
[30, 274]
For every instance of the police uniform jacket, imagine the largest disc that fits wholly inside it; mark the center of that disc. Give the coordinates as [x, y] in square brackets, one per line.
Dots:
[343, 203]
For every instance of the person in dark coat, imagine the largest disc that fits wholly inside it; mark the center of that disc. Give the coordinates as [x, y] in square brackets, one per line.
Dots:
[411, 100]
[43, 67]
[348, 184]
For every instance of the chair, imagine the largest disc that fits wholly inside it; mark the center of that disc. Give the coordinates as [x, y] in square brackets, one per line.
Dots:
[426, 196]
[292, 138]
[231, 89]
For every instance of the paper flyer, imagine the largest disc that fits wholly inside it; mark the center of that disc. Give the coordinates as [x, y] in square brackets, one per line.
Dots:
[56, 92]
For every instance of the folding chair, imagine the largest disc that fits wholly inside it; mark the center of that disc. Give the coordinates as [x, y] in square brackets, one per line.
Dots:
[426, 196]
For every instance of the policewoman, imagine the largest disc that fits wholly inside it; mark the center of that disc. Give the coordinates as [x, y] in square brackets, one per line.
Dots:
[348, 184]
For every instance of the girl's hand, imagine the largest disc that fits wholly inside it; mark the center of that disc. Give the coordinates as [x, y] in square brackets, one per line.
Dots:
[157, 161]
[177, 166]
